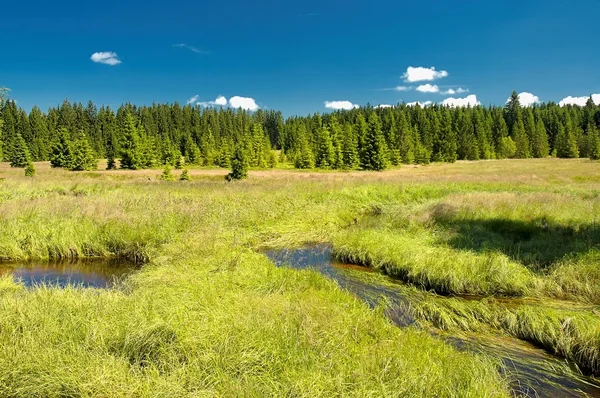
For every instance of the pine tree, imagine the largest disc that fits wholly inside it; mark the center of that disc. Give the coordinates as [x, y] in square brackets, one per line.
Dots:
[1, 144]
[239, 166]
[374, 151]
[83, 157]
[29, 169]
[20, 153]
[61, 154]
[593, 140]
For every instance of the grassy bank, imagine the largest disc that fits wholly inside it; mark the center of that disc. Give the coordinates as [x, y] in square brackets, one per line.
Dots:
[206, 316]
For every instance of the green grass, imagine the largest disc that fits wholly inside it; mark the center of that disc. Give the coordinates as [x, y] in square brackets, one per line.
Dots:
[208, 316]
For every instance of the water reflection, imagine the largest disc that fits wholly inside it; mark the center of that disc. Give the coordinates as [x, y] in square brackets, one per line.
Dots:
[101, 273]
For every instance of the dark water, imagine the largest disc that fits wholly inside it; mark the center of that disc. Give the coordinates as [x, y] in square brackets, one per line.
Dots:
[87, 273]
[532, 371]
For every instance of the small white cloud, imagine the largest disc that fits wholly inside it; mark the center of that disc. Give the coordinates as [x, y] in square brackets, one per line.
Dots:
[193, 100]
[242, 102]
[428, 88]
[107, 58]
[191, 48]
[403, 88]
[383, 106]
[527, 99]
[418, 74]
[423, 104]
[581, 101]
[221, 101]
[469, 100]
[337, 105]
[452, 91]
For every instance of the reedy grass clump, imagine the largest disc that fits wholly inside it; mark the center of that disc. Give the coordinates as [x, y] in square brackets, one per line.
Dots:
[441, 269]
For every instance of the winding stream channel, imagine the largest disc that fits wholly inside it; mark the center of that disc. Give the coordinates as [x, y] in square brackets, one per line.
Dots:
[533, 372]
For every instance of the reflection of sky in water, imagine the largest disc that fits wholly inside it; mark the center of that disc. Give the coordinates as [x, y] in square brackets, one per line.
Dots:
[532, 371]
[89, 273]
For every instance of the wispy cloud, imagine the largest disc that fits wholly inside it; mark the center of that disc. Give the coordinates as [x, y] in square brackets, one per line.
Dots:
[106, 58]
[191, 48]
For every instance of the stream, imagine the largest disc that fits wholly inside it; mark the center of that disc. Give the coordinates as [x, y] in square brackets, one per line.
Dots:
[91, 273]
[532, 371]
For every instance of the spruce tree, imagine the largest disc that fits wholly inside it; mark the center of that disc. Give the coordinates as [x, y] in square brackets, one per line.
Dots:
[131, 157]
[566, 142]
[185, 175]
[512, 112]
[20, 153]
[374, 151]
[1, 144]
[303, 158]
[29, 169]
[111, 163]
[167, 174]
[593, 140]
[405, 140]
[349, 148]
[239, 166]
[83, 157]
[61, 155]
[521, 140]
[539, 140]
[325, 158]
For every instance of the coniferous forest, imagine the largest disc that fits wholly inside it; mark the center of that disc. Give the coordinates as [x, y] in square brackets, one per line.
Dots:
[74, 136]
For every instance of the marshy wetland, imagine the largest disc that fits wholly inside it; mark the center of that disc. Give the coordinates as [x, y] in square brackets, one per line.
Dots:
[473, 279]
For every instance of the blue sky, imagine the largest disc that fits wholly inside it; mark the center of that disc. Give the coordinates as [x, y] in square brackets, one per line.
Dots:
[296, 56]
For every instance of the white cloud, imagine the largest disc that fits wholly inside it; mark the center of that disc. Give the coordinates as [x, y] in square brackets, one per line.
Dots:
[221, 101]
[579, 100]
[428, 88]
[527, 99]
[469, 100]
[403, 88]
[191, 48]
[418, 74]
[452, 91]
[107, 58]
[419, 103]
[383, 106]
[242, 102]
[337, 105]
[193, 100]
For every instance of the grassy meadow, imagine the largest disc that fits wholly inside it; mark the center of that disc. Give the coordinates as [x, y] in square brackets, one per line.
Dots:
[209, 315]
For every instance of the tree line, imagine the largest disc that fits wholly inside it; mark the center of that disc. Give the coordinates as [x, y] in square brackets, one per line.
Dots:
[74, 136]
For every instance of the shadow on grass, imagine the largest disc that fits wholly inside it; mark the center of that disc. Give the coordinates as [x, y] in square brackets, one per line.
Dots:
[536, 244]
